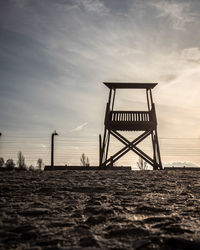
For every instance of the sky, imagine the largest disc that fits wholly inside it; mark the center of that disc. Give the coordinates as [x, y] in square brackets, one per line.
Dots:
[54, 56]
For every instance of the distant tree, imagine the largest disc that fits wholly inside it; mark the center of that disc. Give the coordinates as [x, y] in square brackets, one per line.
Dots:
[142, 165]
[115, 164]
[87, 162]
[1, 162]
[40, 163]
[21, 161]
[31, 168]
[10, 164]
[84, 160]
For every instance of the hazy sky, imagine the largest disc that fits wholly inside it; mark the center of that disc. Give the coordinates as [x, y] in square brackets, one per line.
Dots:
[55, 54]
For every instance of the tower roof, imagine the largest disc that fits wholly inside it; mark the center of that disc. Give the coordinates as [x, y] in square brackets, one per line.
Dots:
[129, 85]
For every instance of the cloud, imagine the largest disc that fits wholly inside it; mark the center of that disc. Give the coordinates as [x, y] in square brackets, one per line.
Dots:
[191, 54]
[80, 127]
[74, 147]
[94, 6]
[178, 13]
[181, 164]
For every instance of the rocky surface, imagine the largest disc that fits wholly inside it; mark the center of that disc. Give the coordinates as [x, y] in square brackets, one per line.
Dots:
[100, 209]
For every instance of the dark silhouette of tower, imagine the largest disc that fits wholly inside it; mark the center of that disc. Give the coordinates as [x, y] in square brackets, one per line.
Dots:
[116, 121]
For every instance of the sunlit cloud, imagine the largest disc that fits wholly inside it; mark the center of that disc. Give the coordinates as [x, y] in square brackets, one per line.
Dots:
[74, 147]
[80, 127]
[191, 54]
[178, 12]
[95, 6]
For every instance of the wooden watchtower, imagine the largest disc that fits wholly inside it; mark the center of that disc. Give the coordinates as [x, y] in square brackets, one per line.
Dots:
[116, 121]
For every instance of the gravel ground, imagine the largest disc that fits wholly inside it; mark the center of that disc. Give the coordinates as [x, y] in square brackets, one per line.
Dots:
[100, 209]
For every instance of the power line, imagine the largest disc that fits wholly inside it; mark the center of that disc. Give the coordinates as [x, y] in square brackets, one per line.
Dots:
[179, 138]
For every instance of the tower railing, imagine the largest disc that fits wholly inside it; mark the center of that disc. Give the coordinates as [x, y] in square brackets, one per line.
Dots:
[130, 120]
[130, 116]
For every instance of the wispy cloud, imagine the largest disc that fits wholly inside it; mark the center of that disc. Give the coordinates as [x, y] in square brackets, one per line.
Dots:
[178, 12]
[94, 6]
[191, 54]
[80, 127]
[74, 147]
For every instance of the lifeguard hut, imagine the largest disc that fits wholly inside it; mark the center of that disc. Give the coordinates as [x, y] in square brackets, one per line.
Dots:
[116, 121]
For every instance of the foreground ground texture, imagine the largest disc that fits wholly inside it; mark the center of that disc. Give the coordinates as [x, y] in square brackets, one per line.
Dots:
[100, 209]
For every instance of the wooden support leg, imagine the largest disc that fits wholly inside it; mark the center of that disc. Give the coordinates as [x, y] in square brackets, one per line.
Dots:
[154, 151]
[158, 151]
[107, 146]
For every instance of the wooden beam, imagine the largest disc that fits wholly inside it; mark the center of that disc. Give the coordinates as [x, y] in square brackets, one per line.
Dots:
[130, 145]
[125, 149]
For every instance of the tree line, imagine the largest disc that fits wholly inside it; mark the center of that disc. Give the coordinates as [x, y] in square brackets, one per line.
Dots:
[20, 165]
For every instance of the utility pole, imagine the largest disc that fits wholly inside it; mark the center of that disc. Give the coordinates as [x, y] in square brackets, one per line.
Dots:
[52, 148]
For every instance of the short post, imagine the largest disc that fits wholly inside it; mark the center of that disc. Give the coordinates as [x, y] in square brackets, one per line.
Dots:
[52, 148]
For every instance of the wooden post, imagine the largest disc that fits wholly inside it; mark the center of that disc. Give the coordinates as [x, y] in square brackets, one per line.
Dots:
[52, 149]
[103, 153]
[100, 151]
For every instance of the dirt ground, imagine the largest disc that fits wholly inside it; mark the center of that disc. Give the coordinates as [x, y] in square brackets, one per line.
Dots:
[100, 209]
